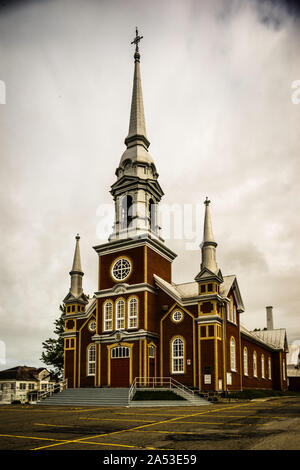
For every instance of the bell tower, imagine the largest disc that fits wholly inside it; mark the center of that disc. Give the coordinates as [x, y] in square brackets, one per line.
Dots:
[137, 191]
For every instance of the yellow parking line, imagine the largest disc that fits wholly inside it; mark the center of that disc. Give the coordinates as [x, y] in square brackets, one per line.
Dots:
[120, 419]
[180, 432]
[138, 427]
[54, 425]
[60, 441]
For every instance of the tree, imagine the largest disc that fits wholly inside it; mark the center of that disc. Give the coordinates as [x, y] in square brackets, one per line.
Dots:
[53, 354]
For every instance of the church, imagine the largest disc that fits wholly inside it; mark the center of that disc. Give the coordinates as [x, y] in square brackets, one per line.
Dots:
[139, 323]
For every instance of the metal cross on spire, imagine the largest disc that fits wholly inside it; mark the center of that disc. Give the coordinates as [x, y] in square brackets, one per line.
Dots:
[136, 40]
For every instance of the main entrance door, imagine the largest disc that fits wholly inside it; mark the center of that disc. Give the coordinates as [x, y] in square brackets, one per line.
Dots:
[119, 366]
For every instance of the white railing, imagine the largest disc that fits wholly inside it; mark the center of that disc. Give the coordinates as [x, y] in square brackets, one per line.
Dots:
[41, 394]
[158, 383]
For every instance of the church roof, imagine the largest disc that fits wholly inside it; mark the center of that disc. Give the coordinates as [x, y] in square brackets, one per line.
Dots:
[276, 339]
[189, 290]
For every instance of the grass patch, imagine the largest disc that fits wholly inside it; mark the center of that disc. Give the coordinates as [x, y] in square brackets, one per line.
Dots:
[156, 395]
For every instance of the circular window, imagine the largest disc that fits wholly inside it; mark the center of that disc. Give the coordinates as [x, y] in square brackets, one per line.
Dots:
[121, 269]
[177, 316]
[92, 325]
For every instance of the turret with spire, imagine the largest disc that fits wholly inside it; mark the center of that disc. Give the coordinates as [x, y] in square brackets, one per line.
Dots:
[209, 270]
[136, 192]
[76, 299]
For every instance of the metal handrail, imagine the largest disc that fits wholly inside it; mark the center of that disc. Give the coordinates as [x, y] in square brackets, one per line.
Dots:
[157, 382]
[61, 386]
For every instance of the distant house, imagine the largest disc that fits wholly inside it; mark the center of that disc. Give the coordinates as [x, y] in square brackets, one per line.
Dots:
[16, 383]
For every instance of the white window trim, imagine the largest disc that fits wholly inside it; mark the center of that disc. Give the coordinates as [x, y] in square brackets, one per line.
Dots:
[106, 320]
[255, 362]
[120, 318]
[179, 357]
[91, 362]
[232, 356]
[135, 315]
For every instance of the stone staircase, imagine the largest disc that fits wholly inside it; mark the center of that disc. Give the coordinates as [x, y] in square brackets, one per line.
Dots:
[88, 397]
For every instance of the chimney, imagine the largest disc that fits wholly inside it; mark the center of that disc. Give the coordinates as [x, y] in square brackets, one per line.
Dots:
[270, 325]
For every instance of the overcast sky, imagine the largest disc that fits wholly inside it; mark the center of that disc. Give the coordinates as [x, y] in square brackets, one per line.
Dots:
[217, 83]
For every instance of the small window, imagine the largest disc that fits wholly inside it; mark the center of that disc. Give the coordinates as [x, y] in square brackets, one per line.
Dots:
[121, 269]
[92, 325]
[91, 360]
[151, 351]
[209, 287]
[269, 368]
[254, 364]
[232, 355]
[262, 366]
[177, 316]
[73, 308]
[245, 361]
[120, 315]
[177, 356]
[133, 313]
[202, 289]
[108, 316]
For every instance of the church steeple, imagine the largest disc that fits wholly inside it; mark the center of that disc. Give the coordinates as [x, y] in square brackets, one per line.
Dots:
[76, 273]
[209, 270]
[137, 128]
[137, 191]
[76, 299]
[209, 245]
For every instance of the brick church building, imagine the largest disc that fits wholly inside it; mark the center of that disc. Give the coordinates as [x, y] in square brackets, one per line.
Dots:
[139, 323]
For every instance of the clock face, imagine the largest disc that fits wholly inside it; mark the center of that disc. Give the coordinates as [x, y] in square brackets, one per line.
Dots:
[121, 269]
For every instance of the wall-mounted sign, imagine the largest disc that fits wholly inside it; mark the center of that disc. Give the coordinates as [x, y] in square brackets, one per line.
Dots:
[188, 361]
[207, 379]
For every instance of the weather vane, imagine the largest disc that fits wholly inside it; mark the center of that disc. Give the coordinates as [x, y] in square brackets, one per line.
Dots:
[136, 40]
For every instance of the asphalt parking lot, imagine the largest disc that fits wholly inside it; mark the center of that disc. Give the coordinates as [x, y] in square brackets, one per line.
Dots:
[273, 424]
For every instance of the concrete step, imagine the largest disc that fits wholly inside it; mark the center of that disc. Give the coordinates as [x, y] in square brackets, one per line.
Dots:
[88, 397]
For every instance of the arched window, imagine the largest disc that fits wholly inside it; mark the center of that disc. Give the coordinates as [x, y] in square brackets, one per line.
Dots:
[262, 366]
[254, 364]
[120, 315]
[232, 355]
[177, 356]
[269, 368]
[126, 211]
[234, 314]
[91, 359]
[283, 370]
[133, 313]
[152, 214]
[151, 351]
[108, 316]
[245, 361]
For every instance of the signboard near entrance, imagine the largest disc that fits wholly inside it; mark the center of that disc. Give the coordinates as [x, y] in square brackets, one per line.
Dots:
[207, 379]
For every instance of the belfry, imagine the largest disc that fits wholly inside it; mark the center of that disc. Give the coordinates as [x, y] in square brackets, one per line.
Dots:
[139, 323]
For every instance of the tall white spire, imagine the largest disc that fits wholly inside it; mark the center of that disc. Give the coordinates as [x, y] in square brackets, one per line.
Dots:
[208, 246]
[76, 273]
[136, 155]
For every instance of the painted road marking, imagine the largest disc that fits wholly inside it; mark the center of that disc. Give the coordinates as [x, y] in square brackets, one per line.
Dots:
[63, 441]
[120, 419]
[139, 427]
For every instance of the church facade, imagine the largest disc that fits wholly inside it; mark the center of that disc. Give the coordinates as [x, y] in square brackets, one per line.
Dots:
[138, 322]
